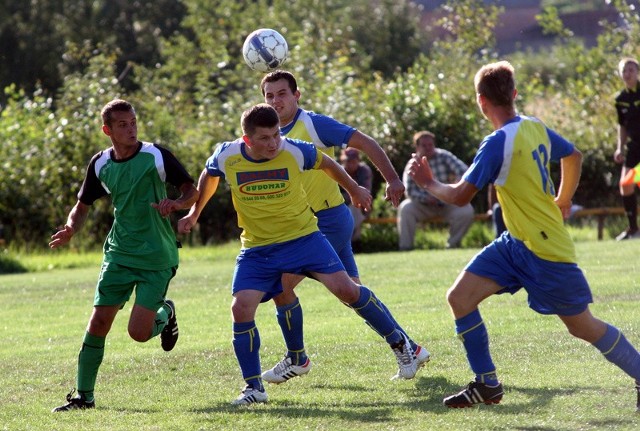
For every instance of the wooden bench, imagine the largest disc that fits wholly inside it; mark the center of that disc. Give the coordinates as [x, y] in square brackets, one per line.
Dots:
[600, 213]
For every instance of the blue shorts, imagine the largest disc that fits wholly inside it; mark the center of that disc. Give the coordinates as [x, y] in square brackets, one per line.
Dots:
[553, 287]
[337, 225]
[261, 268]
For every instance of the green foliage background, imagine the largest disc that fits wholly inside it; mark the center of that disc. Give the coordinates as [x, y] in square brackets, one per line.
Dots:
[369, 64]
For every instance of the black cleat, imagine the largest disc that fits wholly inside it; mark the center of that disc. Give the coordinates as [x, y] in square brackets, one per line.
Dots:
[75, 403]
[169, 335]
[475, 393]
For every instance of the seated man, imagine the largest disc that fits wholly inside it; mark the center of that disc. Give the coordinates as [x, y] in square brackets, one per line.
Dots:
[361, 174]
[420, 205]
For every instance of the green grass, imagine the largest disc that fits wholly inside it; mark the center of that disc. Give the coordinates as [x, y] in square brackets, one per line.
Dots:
[552, 381]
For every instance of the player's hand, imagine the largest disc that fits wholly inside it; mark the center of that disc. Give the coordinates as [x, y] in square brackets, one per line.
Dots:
[165, 207]
[185, 224]
[394, 192]
[618, 157]
[61, 237]
[565, 207]
[361, 198]
[420, 170]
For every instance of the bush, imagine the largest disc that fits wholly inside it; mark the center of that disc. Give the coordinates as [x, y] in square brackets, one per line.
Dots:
[9, 265]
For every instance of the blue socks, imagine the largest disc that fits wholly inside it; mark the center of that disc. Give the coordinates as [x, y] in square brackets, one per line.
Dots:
[373, 311]
[616, 349]
[290, 321]
[473, 334]
[246, 345]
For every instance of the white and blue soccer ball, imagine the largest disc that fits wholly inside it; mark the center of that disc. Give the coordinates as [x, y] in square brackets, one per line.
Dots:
[265, 49]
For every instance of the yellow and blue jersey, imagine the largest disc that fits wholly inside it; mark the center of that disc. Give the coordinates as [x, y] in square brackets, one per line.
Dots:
[515, 158]
[326, 134]
[267, 194]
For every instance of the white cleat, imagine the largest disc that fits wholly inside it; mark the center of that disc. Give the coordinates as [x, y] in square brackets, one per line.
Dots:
[250, 395]
[285, 370]
[407, 361]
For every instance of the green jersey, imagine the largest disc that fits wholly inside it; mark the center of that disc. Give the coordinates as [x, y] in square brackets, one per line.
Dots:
[139, 237]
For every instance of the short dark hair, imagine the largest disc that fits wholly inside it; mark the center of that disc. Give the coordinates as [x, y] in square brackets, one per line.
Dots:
[496, 82]
[422, 134]
[118, 105]
[260, 115]
[277, 75]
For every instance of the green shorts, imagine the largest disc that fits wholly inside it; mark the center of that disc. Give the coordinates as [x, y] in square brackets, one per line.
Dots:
[116, 283]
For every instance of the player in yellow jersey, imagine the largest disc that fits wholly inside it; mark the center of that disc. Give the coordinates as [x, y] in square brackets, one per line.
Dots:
[536, 253]
[280, 235]
[280, 90]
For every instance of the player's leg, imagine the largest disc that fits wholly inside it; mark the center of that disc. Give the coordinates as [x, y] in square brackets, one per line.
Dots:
[152, 313]
[628, 194]
[608, 339]
[365, 303]
[468, 291]
[485, 275]
[114, 287]
[256, 279]
[90, 358]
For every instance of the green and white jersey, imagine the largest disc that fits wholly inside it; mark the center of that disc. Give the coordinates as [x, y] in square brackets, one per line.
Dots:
[139, 237]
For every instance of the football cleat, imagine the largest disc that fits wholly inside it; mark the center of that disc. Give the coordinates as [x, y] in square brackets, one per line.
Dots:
[475, 393]
[169, 334]
[422, 356]
[628, 234]
[75, 403]
[250, 395]
[285, 370]
[407, 361]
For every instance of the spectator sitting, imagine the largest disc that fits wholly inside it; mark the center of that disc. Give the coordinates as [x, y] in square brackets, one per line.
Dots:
[361, 173]
[420, 205]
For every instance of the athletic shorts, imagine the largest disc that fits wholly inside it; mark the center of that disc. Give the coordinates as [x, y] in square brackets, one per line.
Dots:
[553, 287]
[632, 158]
[116, 284]
[261, 268]
[337, 225]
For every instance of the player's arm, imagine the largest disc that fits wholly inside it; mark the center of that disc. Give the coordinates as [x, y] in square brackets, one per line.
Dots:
[75, 221]
[188, 196]
[458, 194]
[360, 197]
[394, 189]
[207, 186]
[570, 168]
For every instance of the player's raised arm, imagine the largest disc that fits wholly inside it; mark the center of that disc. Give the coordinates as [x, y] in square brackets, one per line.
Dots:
[360, 196]
[207, 186]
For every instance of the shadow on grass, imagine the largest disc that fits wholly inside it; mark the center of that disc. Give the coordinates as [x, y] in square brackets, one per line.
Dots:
[426, 396]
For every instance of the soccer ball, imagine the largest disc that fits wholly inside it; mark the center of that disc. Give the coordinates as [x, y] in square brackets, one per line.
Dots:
[264, 50]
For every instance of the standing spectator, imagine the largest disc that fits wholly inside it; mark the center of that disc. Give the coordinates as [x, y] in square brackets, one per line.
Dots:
[628, 109]
[361, 174]
[536, 252]
[140, 252]
[421, 205]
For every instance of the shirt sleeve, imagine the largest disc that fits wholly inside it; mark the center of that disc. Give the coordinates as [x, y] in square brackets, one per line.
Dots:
[91, 189]
[560, 147]
[487, 161]
[331, 132]
[177, 175]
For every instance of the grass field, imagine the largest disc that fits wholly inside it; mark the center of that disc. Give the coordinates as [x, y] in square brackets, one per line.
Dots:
[552, 381]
